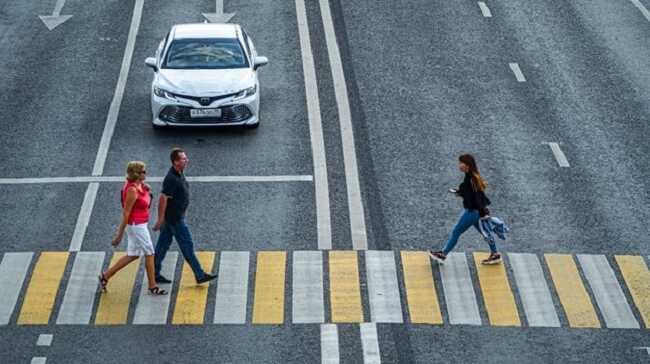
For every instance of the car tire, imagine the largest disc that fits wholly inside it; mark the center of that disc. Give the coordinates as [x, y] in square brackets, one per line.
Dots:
[157, 127]
[252, 126]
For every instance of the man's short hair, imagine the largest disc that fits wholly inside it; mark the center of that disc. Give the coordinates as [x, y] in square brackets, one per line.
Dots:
[175, 154]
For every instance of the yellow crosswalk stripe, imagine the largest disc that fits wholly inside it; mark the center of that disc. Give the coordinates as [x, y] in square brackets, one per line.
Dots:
[571, 290]
[268, 306]
[42, 289]
[637, 278]
[192, 297]
[421, 295]
[345, 293]
[114, 304]
[497, 295]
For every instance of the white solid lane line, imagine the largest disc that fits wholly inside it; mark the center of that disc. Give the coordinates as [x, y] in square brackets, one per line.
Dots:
[153, 310]
[459, 291]
[114, 109]
[484, 9]
[39, 360]
[84, 217]
[13, 270]
[642, 8]
[321, 186]
[533, 290]
[517, 71]
[308, 296]
[355, 203]
[329, 344]
[383, 290]
[109, 129]
[87, 179]
[79, 298]
[559, 155]
[608, 293]
[232, 288]
[370, 343]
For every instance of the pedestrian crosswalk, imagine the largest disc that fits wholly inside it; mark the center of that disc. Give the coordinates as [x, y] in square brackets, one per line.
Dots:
[316, 287]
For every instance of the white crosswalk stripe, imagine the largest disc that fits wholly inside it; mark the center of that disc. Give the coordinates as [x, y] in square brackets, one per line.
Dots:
[232, 288]
[79, 298]
[533, 290]
[370, 343]
[608, 293]
[309, 297]
[459, 291]
[13, 271]
[153, 310]
[307, 300]
[329, 344]
[383, 291]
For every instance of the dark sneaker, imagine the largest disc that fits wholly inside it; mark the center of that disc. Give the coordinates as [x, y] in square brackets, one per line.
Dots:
[207, 277]
[162, 280]
[494, 258]
[438, 256]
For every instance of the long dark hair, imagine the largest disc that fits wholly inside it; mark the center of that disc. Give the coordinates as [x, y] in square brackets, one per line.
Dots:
[478, 183]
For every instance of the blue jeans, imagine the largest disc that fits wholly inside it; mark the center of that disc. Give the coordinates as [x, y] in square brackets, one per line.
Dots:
[467, 218]
[181, 232]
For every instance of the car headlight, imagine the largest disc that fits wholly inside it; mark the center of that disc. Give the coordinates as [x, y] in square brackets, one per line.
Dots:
[163, 93]
[246, 92]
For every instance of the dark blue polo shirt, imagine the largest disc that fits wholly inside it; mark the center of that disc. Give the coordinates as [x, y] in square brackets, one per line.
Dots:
[176, 188]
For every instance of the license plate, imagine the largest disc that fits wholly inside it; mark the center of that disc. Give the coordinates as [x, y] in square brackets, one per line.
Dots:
[205, 113]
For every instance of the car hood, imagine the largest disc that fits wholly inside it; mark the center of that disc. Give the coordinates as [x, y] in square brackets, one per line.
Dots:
[206, 82]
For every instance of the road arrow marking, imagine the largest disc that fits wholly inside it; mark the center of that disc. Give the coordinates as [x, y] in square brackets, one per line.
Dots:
[56, 19]
[218, 16]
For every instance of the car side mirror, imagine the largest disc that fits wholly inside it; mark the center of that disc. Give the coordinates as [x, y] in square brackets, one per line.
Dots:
[151, 62]
[259, 62]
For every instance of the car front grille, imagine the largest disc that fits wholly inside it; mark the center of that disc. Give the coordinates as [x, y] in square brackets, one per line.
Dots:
[205, 101]
[181, 115]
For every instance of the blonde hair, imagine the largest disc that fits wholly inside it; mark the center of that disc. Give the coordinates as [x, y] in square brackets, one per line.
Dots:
[133, 170]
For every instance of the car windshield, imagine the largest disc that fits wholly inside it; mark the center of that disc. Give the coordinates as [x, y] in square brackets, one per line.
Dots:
[210, 53]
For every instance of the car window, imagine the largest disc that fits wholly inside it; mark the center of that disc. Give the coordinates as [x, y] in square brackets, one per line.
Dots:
[209, 53]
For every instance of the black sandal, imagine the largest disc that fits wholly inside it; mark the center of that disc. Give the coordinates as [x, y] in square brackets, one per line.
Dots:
[103, 282]
[157, 291]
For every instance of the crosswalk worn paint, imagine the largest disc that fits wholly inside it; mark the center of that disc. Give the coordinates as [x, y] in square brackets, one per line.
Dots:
[13, 271]
[192, 297]
[422, 300]
[268, 307]
[608, 293]
[637, 277]
[499, 301]
[345, 291]
[327, 287]
[43, 288]
[114, 303]
[572, 292]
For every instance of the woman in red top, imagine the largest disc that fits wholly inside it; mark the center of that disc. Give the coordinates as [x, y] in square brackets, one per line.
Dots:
[136, 200]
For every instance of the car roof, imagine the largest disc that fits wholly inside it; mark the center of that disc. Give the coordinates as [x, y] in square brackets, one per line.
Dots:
[205, 30]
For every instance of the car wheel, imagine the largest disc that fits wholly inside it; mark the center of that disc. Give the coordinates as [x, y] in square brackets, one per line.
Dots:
[157, 127]
[252, 126]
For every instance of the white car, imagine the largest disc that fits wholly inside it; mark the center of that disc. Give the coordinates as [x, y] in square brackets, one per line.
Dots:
[205, 75]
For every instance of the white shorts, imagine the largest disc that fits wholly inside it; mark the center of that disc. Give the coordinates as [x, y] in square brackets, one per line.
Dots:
[138, 240]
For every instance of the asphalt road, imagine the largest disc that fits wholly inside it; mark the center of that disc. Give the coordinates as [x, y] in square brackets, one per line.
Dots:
[426, 81]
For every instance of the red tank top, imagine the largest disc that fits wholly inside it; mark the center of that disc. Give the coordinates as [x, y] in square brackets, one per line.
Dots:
[140, 210]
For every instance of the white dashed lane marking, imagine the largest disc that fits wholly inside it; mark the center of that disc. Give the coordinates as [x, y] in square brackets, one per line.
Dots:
[517, 71]
[484, 9]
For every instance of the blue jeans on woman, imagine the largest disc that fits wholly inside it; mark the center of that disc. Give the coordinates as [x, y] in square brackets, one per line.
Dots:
[181, 232]
[467, 218]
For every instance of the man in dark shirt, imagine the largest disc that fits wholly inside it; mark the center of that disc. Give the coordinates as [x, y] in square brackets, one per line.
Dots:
[174, 199]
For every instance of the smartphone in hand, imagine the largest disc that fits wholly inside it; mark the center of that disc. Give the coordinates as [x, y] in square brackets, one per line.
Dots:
[453, 190]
